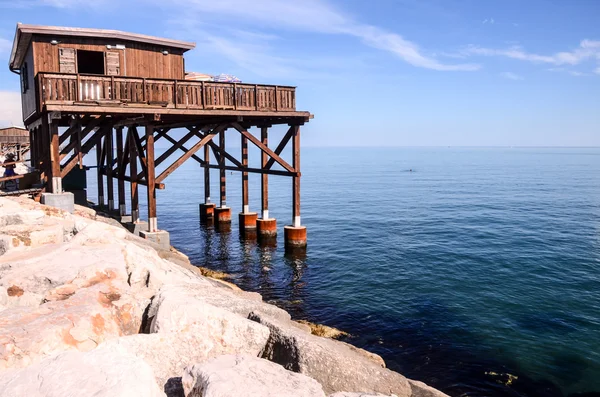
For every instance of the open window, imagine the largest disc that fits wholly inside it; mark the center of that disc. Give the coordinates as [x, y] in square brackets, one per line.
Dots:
[90, 62]
[24, 78]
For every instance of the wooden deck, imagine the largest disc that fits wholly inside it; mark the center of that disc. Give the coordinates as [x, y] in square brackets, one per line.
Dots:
[127, 95]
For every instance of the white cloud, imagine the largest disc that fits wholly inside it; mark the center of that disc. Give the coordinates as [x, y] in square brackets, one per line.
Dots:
[57, 3]
[317, 16]
[10, 109]
[597, 71]
[577, 73]
[511, 76]
[588, 49]
[5, 45]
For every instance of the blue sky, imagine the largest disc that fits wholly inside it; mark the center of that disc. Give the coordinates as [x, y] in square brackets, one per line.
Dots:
[381, 72]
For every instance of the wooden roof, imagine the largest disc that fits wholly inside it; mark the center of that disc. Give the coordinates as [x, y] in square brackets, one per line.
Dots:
[25, 32]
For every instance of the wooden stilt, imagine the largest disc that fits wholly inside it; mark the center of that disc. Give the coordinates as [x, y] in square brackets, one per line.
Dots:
[100, 146]
[135, 206]
[222, 172]
[120, 171]
[52, 131]
[264, 180]
[207, 175]
[245, 195]
[109, 168]
[150, 179]
[296, 178]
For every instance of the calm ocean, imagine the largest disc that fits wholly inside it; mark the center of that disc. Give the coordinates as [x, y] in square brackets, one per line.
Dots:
[477, 272]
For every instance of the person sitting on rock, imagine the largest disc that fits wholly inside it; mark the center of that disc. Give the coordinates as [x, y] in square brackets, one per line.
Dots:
[9, 170]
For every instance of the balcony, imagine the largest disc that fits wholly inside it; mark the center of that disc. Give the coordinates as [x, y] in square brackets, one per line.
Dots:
[57, 91]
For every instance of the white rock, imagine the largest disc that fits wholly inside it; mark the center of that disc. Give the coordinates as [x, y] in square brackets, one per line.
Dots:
[420, 389]
[81, 322]
[241, 376]
[335, 365]
[347, 394]
[169, 353]
[173, 310]
[99, 373]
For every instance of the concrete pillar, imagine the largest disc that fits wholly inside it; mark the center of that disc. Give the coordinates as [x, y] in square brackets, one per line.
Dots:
[222, 214]
[207, 211]
[266, 229]
[248, 221]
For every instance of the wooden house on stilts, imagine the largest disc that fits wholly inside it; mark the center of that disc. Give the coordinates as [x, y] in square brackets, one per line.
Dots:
[117, 93]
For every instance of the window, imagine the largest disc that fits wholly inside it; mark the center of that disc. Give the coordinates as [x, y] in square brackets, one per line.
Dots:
[24, 78]
[90, 62]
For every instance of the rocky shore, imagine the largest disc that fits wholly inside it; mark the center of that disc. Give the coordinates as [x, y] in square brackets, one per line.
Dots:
[89, 309]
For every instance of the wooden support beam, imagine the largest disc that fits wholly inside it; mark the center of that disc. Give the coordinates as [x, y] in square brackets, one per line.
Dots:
[262, 147]
[189, 154]
[176, 146]
[135, 205]
[69, 131]
[141, 182]
[222, 173]
[251, 170]
[174, 142]
[125, 159]
[139, 150]
[109, 169]
[245, 194]
[120, 180]
[54, 156]
[284, 141]
[206, 174]
[100, 147]
[87, 146]
[264, 179]
[79, 135]
[296, 180]
[150, 179]
[219, 152]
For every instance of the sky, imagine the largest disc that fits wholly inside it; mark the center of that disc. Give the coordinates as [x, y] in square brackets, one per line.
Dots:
[379, 72]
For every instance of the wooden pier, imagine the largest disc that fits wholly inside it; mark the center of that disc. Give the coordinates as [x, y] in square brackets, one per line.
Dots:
[119, 93]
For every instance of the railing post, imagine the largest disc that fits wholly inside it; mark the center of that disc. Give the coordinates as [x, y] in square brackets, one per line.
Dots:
[112, 87]
[203, 95]
[144, 90]
[234, 96]
[256, 97]
[78, 89]
[276, 100]
[175, 94]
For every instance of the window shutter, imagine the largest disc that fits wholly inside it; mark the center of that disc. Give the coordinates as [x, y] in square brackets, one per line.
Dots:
[66, 57]
[113, 66]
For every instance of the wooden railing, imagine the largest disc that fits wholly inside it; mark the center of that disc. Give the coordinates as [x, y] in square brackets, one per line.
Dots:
[181, 94]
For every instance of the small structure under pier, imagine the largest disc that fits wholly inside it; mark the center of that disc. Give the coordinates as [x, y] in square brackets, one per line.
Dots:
[117, 94]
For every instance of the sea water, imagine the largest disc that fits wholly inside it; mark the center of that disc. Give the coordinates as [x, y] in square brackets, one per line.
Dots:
[476, 270]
